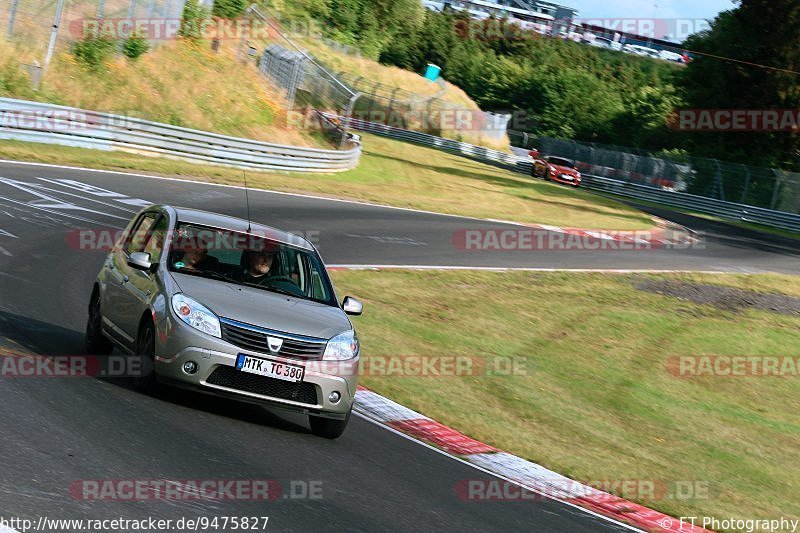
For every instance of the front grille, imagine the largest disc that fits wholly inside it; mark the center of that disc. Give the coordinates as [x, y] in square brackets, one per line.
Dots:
[253, 338]
[229, 377]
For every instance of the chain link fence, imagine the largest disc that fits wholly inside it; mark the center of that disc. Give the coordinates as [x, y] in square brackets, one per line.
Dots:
[309, 83]
[37, 29]
[721, 180]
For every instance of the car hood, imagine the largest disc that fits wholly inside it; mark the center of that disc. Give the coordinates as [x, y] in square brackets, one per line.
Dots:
[564, 170]
[263, 308]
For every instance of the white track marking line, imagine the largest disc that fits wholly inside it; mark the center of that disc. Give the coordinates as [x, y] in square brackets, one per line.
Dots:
[522, 269]
[380, 424]
[5, 252]
[33, 188]
[49, 210]
[115, 206]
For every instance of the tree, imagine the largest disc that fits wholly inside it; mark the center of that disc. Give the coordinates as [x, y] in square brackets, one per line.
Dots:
[763, 32]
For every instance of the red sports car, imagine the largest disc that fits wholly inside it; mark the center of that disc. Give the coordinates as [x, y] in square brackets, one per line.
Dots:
[556, 169]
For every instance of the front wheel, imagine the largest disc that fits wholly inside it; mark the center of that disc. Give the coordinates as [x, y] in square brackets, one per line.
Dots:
[146, 350]
[327, 427]
[95, 342]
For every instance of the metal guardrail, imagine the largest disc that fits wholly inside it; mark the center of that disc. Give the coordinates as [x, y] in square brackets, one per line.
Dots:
[699, 204]
[47, 123]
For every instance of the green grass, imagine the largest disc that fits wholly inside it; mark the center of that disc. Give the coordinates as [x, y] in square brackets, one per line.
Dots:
[390, 172]
[597, 401]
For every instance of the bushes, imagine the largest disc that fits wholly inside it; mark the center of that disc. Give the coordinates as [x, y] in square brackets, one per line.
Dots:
[228, 9]
[93, 50]
[134, 46]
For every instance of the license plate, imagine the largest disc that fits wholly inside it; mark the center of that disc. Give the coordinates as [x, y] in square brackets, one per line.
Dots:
[268, 368]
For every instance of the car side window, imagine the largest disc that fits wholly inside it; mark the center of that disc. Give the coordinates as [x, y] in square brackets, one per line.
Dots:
[140, 233]
[158, 235]
[316, 288]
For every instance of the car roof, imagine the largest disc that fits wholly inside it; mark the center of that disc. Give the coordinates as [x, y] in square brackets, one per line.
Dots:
[216, 220]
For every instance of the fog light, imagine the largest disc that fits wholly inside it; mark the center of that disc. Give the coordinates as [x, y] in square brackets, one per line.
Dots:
[334, 397]
[190, 367]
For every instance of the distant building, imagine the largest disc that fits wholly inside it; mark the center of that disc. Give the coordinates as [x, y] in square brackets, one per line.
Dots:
[546, 18]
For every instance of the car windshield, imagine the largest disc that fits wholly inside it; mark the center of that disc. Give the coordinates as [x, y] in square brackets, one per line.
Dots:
[251, 260]
[560, 162]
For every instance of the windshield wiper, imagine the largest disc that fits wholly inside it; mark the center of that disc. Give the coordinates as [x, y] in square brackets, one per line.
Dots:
[215, 275]
[273, 288]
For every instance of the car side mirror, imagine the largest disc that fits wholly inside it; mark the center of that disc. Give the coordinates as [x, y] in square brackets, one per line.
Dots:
[140, 261]
[351, 306]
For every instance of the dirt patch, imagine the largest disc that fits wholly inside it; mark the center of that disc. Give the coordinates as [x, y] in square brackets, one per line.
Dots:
[727, 298]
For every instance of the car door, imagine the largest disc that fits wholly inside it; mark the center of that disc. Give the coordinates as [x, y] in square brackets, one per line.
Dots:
[114, 293]
[118, 304]
[142, 285]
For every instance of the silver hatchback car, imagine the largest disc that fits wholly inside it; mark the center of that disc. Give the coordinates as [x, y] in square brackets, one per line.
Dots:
[230, 308]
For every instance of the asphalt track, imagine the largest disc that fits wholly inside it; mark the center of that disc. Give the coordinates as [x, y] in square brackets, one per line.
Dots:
[57, 431]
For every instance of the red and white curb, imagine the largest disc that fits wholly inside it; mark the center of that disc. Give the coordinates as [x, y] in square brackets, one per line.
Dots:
[666, 235]
[505, 465]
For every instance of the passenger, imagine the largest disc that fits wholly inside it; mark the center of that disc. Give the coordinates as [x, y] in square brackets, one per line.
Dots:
[198, 260]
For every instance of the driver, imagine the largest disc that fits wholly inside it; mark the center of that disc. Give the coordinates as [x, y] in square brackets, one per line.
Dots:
[258, 266]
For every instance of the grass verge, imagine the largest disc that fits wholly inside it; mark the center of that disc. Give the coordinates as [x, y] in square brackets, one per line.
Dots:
[178, 82]
[393, 173]
[596, 401]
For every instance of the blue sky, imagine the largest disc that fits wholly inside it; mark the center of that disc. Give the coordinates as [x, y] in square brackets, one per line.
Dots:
[681, 9]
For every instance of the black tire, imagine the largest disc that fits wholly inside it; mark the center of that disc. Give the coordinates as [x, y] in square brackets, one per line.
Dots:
[95, 342]
[327, 427]
[146, 349]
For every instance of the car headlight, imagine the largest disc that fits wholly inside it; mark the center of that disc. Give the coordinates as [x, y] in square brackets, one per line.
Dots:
[342, 346]
[196, 315]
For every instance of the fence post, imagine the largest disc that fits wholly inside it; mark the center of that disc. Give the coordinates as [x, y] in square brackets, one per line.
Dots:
[53, 36]
[351, 104]
[718, 185]
[12, 15]
[746, 184]
[775, 191]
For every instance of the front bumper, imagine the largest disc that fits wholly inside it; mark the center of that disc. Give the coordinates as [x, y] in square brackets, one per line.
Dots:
[183, 343]
[567, 178]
